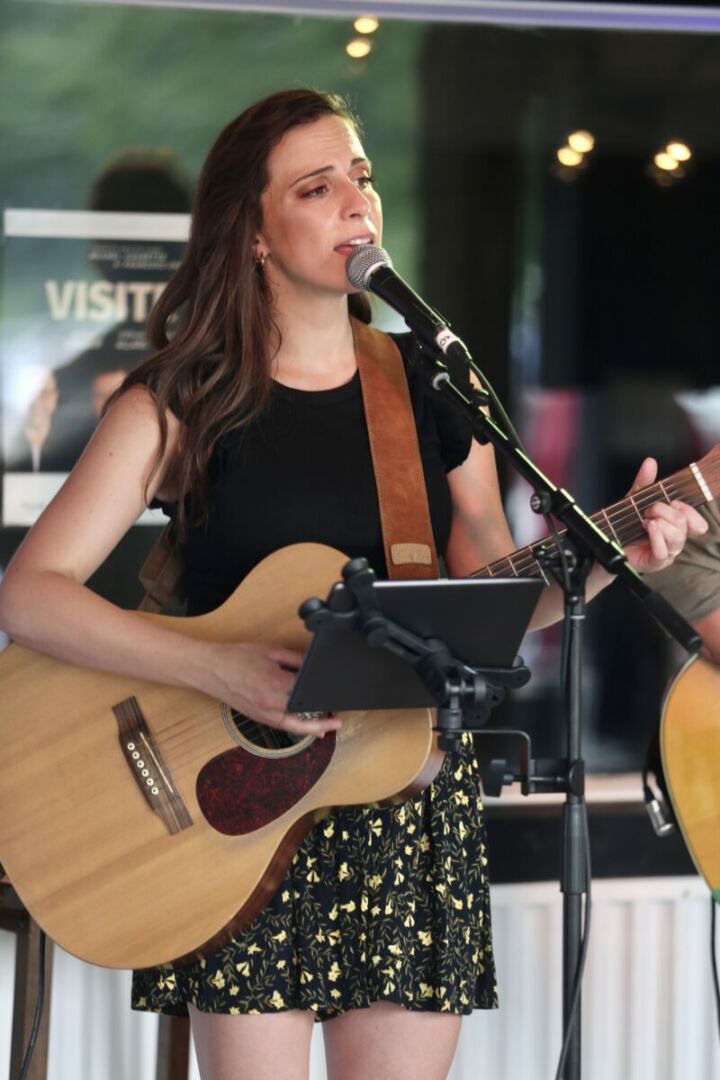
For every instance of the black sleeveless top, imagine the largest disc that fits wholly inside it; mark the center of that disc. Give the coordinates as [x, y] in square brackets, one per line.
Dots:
[303, 473]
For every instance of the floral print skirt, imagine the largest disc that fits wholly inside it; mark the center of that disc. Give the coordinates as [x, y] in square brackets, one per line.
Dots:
[385, 904]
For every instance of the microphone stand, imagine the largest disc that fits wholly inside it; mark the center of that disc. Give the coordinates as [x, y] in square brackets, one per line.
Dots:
[569, 563]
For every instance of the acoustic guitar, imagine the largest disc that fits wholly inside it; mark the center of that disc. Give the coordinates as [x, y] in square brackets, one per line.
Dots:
[141, 823]
[690, 748]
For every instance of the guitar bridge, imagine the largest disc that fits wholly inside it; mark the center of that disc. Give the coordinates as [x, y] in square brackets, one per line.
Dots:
[148, 767]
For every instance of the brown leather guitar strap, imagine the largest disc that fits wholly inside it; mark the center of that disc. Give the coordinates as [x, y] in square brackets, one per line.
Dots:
[402, 496]
[162, 572]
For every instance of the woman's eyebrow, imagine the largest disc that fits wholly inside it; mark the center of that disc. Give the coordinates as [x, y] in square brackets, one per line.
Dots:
[328, 168]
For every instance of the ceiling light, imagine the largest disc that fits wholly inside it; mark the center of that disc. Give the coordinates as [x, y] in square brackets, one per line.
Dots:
[358, 48]
[679, 150]
[567, 156]
[366, 24]
[582, 141]
[665, 161]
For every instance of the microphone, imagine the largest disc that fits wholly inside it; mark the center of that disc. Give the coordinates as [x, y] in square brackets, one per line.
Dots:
[370, 268]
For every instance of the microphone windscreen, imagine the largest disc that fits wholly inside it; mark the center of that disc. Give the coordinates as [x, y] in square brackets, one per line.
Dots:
[362, 261]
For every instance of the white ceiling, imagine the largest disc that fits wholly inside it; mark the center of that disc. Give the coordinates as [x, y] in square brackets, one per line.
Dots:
[670, 17]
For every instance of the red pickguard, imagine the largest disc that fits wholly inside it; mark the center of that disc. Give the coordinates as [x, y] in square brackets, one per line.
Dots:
[239, 792]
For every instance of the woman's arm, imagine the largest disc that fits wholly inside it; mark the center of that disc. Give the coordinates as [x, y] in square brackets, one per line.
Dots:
[44, 602]
[480, 533]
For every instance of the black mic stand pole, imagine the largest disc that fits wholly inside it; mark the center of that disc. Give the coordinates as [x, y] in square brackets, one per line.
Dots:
[583, 544]
[575, 872]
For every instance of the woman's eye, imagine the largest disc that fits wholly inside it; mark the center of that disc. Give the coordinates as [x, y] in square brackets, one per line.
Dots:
[314, 191]
[366, 181]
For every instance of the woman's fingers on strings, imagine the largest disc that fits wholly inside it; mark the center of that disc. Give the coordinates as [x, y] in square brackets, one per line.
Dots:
[696, 523]
[676, 512]
[646, 475]
[675, 522]
[319, 725]
[667, 527]
[300, 724]
[659, 544]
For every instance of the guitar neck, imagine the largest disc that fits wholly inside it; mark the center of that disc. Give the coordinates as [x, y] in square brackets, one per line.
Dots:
[623, 521]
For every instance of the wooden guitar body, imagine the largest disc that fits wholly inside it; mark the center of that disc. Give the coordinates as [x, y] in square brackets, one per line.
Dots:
[690, 746]
[136, 822]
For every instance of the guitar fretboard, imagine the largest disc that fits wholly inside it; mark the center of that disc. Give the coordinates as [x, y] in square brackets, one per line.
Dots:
[623, 521]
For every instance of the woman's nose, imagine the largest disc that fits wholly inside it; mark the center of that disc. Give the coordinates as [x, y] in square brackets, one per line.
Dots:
[356, 203]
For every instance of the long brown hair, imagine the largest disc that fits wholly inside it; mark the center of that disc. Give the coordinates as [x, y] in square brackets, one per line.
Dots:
[213, 370]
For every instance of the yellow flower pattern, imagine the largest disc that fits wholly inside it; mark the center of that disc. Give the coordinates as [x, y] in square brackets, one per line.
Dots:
[379, 904]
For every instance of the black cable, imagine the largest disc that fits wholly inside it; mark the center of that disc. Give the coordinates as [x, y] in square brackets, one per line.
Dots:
[713, 956]
[580, 970]
[566, 586]
[38, 1008]
[496, 407]
[505, 423]
[564, 674]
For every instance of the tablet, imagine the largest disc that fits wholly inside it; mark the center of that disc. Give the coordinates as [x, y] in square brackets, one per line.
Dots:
[481, 620]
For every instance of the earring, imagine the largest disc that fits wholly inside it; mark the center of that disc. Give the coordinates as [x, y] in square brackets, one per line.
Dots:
[260, 261]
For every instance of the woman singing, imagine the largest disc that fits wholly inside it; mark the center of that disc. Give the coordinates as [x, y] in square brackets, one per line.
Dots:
[247, 425]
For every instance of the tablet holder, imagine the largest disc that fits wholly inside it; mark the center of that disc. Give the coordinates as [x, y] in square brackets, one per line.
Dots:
[465, 695]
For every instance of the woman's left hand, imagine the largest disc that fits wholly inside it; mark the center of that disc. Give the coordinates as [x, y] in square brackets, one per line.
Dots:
[668, 526]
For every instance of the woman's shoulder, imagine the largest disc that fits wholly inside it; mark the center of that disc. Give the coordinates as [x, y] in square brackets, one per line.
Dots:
[137, 405]
[136, 398]
[131, 428]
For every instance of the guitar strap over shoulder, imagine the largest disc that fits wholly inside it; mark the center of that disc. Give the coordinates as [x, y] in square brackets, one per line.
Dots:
[402, 495]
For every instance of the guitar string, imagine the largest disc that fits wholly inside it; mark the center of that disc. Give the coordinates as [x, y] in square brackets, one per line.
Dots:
[526, 560]
[618, 514]
[626, 529]
[622, 512]
[665, 493]
[186, 732]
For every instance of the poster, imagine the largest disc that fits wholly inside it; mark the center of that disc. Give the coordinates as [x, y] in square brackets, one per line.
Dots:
[77, 289]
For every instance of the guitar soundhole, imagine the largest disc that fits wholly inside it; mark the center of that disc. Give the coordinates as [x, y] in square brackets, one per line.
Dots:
[262, 736]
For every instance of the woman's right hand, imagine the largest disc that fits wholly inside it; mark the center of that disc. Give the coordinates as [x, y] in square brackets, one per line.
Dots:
[256, 679]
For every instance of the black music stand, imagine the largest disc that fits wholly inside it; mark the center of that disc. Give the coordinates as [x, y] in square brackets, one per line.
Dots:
[409, 644]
